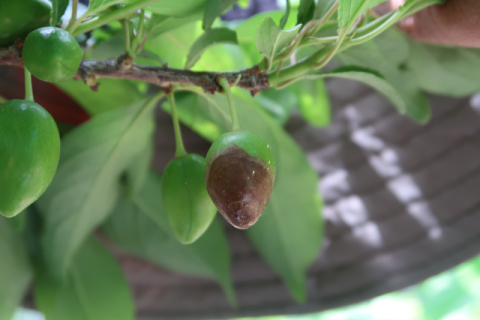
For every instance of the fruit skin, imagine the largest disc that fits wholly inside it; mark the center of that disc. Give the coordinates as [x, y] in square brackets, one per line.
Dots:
[51, 54]
[187, 205]
[19, 17]
[240, 176]
[29, 154]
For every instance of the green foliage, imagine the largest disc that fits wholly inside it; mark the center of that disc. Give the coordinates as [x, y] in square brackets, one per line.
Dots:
[208, 39]
[94, 288]
[349, 10]
[15, 269]
[159, 24]
[104, 177]
[279, 104]
[442, 70]
[322, 8]
[305, 11]
[102, 100]
[289, 243]
[178, 8]
[388, 54]
[284, 20]
[142, 228]
[270, 39]
[213, 9]
[313, 101]
[370, 78]
[84, 190]
[58, 9]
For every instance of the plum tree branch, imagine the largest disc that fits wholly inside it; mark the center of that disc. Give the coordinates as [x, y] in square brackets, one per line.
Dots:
[252, 79]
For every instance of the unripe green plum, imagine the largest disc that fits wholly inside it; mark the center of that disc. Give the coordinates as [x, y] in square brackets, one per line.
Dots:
[240, 176]
[51, 54]
[19, 17]
[29, 153]
[187, 205]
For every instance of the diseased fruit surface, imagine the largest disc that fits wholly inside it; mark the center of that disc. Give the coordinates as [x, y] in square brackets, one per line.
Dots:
[187, 205]
[29, 153]
[51, 54]
[19, 17]
[240, 176]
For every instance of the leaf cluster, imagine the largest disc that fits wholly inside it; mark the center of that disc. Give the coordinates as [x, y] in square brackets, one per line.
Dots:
[104, 182]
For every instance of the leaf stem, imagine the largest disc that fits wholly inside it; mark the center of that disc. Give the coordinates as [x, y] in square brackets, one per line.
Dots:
[121, 13]
[226, 88]
[28, 85]
[140, 31]
[341, 36]
[128, 45]
[325, 18]
[73, 18]
[180, 148]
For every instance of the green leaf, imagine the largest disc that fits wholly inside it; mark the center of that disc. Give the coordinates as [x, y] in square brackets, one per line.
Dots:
[84, 189]
[270, 39]
[313, 101]
[209, 38]
[387, 54]
[278, 104]
[417, 5]
[110, 95]
[137, 171]
[445, 71]
[305, 11]
[247, 30]
[213, 9]
[18, 222]
[199, 113]
[174, 45]
[108, 49]
[141, 227]
[58, 9]
[349, 10]
[95, 288]
[369, 77]
[159, 24]
[15, 270]
[323, 6]
[178, 8]
[95, 6]
[288, 242]
[285, 16]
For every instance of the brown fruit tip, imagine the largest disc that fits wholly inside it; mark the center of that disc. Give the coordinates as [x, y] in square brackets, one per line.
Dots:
[240, 185]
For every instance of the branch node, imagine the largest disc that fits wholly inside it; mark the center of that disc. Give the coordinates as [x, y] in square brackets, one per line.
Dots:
[91, 81]
[126, 62]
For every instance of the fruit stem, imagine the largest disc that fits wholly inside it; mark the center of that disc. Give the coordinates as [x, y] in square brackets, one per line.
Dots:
[226, 87]
[180, 150]
[74, 14]
[28, 85]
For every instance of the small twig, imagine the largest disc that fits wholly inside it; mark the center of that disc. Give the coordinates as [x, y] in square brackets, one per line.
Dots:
[252, 79]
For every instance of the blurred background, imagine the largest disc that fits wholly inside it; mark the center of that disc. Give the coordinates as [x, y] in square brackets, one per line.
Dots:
[451, 295]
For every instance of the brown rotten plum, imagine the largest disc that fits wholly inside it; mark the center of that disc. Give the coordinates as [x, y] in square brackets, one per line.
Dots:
[240, 176]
